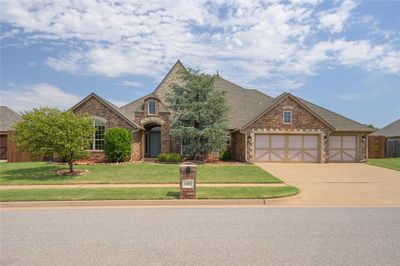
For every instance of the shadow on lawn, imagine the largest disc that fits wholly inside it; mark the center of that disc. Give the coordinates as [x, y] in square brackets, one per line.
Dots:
[173, 194]
[43, 173]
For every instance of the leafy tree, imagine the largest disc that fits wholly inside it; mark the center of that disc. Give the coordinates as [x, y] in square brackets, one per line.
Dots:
[118, 144]
[49, 131]
[199, 114]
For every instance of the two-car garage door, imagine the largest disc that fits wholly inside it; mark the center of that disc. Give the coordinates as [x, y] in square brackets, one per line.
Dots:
[287, 148]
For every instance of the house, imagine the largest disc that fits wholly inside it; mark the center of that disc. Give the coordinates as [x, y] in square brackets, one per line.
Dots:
[385, 141]
[263, 129]
[8, 148]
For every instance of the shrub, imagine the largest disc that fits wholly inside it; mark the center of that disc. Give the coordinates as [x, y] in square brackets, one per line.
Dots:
[169, 157]
[117, 144]
[225, 154]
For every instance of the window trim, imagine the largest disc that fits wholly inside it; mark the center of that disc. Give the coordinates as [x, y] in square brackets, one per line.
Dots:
[148, 107]
[291, 117]
[102, 121]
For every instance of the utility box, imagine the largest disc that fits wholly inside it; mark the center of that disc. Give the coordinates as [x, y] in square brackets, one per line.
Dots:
[188, 172]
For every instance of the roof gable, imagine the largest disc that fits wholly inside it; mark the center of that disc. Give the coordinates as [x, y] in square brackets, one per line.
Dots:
[279, 99]
[8, 118]
[391, 130]
[111, 106]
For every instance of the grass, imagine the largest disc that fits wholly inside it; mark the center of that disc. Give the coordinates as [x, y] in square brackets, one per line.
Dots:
[142, 193]
[391, 163]
[35, 173]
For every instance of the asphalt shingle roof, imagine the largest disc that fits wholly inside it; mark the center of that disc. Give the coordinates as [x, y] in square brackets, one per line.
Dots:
[8, 118]
[246, 104]
[391, 130]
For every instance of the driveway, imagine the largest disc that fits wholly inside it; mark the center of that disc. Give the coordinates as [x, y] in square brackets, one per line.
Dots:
[338, 184]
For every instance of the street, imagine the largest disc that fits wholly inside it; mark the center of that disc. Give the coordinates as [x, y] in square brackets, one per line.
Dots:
[201, 236]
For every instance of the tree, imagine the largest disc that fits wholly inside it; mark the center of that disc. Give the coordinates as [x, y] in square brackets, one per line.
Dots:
[199, 114]
[49, 131]
[118, 144]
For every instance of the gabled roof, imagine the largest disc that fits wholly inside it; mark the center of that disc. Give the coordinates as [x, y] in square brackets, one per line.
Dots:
[243, 104]
[331, 119]
[391, 130]
[8, 118]
[280, 99]
[113, 107]
[338, 122]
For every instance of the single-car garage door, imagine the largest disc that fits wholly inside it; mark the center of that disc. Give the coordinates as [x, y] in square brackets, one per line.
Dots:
[287, 148]
[342, 148]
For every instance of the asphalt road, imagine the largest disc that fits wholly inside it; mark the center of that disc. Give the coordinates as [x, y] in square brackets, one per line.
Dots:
[201, 236]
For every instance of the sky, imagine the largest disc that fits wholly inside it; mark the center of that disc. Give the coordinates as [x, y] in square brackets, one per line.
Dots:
[342, 55]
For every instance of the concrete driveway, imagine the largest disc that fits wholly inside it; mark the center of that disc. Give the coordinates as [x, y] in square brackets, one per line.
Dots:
[338, 184]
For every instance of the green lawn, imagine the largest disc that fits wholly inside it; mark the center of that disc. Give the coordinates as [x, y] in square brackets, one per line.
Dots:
[44, 173]
[391, 163]
[142, 193]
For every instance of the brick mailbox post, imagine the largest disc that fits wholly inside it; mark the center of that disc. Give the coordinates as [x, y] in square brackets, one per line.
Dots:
[188, 172]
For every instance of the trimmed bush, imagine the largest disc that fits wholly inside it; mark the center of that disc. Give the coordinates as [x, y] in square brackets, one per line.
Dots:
[225, 154]
[117, 144]
[169, 157]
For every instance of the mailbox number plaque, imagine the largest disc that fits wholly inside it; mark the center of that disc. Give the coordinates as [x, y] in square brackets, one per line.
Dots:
[188, 183]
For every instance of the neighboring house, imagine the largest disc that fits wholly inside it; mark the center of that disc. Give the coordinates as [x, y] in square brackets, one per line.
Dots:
[263, 128]
[8, 148]
[386, 141]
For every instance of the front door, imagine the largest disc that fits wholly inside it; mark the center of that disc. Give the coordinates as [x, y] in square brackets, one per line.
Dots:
[155, 145]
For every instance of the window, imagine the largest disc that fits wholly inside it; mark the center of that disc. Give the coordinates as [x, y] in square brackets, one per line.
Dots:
[287, 117]
[151, 107]
[98, 138]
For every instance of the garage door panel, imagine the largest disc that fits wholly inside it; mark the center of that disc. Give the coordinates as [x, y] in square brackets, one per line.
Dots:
[295, 142]
[262, 155]
[310, 142]
[262, 141]
[295, 156]
[349, 142]
[287, 148]
[277, 141]
[342, 148]
[277, 156]
[335, 142]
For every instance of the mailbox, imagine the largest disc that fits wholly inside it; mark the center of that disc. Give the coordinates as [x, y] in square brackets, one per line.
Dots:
[188, 172]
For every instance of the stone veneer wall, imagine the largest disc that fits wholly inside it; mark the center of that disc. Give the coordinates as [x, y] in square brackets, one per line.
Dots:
[303, 122]
[94, 107]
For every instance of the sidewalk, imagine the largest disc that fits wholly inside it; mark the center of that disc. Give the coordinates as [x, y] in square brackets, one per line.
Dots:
[139, 185]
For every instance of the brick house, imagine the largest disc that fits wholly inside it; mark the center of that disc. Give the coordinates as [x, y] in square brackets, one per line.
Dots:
[263, 128]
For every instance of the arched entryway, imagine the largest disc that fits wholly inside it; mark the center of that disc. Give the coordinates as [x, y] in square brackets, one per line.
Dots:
[152, 141]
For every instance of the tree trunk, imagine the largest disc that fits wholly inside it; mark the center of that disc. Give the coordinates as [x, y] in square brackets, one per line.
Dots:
[71, 166]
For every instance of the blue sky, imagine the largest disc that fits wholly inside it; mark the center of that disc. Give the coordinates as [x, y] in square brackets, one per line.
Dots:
[342, 55]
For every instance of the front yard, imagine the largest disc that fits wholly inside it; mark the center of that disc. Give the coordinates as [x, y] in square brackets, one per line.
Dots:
[42, 173]
[391, 163]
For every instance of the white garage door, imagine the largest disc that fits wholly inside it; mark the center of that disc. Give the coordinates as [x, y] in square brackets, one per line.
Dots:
[286, 148]
[342, 148]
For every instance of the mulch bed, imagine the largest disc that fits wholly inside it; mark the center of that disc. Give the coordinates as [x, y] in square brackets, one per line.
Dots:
[66, 172]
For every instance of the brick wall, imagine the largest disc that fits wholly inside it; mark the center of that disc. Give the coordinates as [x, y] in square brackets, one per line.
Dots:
[238, 146]
[94, 107]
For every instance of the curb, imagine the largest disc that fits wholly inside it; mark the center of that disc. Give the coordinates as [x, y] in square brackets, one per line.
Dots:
[127, 203]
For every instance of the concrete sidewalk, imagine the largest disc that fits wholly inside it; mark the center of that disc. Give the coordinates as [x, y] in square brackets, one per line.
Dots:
[139, 185]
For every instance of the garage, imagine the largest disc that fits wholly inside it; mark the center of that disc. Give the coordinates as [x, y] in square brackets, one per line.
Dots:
[286, 148]
[342, 148]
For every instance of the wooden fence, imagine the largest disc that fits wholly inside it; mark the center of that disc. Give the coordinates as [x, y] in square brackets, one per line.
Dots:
[376, 147]
[14, 155]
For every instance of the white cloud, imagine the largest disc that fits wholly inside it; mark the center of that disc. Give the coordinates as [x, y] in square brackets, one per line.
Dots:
[335, 19]
[37, 95]
[255, 43]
